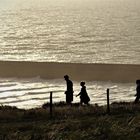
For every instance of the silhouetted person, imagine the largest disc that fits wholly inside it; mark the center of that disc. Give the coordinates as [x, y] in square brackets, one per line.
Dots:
[84, 98]
[137, 91]
[69, 91]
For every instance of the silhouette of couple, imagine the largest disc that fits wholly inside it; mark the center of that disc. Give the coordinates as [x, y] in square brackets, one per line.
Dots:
[84, 98]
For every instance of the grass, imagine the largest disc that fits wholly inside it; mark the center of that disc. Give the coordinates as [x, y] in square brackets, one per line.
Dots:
[71, 122]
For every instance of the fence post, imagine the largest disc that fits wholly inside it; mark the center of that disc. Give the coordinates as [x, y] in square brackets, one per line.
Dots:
[108, 107]
[50, 104]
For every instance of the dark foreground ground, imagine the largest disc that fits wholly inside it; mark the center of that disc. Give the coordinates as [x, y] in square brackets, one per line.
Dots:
[71, 123]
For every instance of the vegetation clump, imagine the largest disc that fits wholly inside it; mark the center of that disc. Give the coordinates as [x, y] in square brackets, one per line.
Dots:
[71, 122]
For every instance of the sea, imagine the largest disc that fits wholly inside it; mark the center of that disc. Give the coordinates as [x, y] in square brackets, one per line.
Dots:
[70, 31]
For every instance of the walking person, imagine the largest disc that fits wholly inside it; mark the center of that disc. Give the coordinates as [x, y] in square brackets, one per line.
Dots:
[69, 91]
[137, 91]
[84, 98]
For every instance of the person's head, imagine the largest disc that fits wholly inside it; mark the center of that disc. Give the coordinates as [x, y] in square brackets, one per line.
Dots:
[137, 82]
[66, 77]
[82, 83]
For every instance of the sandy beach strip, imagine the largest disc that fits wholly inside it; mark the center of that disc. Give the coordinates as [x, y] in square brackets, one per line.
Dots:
[77, 71]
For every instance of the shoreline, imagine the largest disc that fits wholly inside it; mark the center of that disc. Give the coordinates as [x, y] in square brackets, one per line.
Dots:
[77, 71]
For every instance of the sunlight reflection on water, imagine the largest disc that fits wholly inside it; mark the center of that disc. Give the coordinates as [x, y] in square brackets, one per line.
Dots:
[29, 93]
[81, 31]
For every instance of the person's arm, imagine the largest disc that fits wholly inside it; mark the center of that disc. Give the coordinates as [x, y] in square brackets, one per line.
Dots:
[78, 94]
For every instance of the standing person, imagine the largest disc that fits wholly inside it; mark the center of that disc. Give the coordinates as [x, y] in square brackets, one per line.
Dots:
[69, 91]
[137, 91]
[84, 98]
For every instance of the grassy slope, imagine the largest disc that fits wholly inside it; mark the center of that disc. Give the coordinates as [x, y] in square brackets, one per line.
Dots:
[71, 123]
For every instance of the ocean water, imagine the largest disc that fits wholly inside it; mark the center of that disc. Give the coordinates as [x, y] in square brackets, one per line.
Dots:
[33, 92]
[77, 31]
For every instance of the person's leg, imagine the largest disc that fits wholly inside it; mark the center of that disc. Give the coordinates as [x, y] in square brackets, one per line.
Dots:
[81, 102]
[137, 99]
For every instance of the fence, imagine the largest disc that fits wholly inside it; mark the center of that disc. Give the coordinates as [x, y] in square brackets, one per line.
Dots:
[51, 103]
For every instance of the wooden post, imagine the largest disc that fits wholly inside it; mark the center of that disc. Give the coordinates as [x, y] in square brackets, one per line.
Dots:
[108, 107]
[50, 104]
